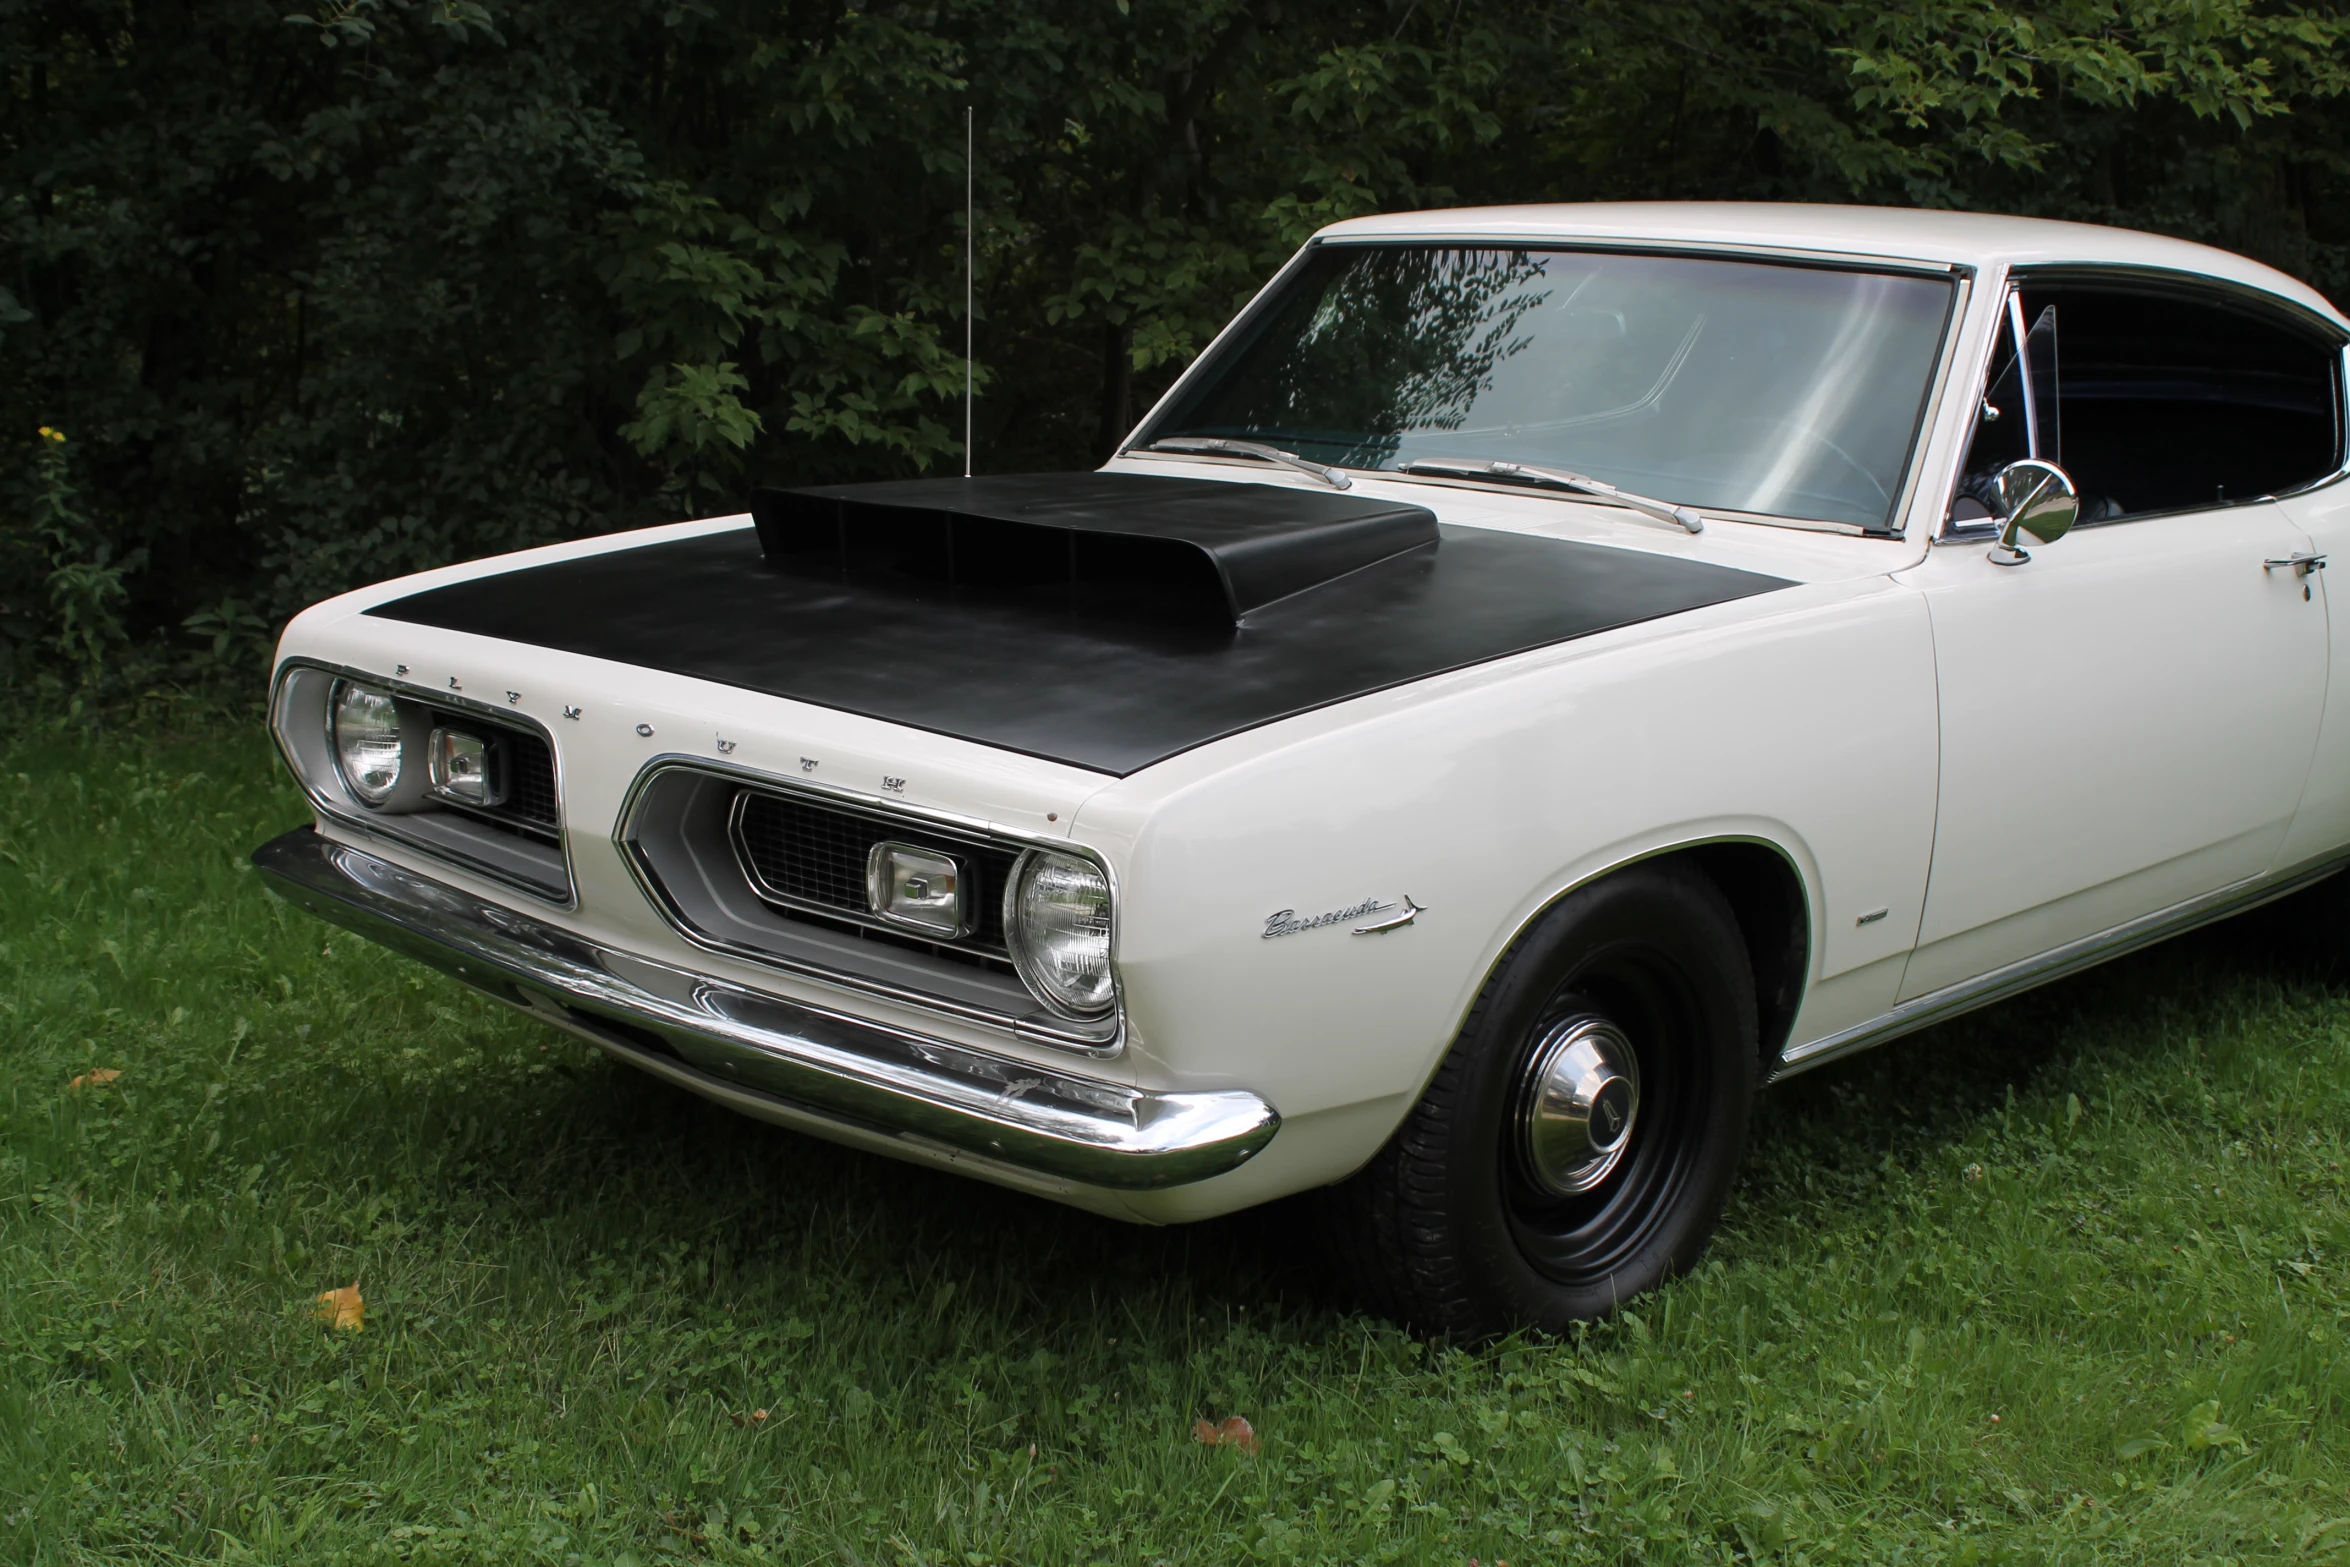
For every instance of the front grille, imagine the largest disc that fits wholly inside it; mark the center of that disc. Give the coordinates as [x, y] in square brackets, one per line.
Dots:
[809, 860]
[530, 777]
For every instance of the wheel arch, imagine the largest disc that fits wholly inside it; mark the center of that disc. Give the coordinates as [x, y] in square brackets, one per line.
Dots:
[1768, 896]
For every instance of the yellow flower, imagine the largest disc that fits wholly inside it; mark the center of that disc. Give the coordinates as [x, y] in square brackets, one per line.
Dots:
[48, 434]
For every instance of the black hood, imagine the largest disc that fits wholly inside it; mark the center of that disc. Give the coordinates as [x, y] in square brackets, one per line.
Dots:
[1013, 612]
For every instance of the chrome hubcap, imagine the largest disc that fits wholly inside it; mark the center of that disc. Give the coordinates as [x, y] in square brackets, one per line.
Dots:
[1577, 1105]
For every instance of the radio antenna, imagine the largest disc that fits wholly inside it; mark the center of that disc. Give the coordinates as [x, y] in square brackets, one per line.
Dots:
[970, 253]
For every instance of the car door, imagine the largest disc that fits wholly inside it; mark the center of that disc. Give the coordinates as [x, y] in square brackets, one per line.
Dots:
[2128, 716]
[2321, 507]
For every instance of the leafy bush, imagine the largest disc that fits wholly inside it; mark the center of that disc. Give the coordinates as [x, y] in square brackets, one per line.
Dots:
[386, 283]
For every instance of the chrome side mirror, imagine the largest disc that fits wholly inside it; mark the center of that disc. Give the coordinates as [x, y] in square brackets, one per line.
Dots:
[2032, 500]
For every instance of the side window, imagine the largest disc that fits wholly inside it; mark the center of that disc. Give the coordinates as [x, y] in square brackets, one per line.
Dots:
[2165, 401]
[2172, 402]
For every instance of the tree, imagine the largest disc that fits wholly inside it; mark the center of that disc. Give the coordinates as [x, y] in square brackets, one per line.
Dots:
[392, 282]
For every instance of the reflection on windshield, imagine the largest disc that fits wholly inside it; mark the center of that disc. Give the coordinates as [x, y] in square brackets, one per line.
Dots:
[1742, 386]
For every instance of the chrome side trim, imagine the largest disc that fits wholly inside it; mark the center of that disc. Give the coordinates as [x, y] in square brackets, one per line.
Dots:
[1043, 1027]
[775, 1056]
[2029, 973]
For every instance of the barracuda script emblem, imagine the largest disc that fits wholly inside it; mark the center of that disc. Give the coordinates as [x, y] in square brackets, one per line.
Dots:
[1371, 910]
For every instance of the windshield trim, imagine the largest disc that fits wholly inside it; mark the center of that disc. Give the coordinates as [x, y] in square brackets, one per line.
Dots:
[1630, 245]
[1242, 330]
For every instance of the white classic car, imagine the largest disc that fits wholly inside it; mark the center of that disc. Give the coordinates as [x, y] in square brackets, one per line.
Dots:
[1541, 674]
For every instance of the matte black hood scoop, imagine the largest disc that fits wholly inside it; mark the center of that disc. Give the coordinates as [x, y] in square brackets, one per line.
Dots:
[1190, 546]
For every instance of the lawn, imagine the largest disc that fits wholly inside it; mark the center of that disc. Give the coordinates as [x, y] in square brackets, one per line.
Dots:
[2063, 1281]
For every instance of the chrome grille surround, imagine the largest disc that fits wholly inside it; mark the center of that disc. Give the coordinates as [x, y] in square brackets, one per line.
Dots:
[678, 834]
[521, 845]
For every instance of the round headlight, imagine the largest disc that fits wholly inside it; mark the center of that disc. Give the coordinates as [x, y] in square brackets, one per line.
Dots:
[367, 740]
[1057, 924]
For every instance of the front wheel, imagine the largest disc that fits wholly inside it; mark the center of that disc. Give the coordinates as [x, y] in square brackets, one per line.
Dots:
[1575, 1146]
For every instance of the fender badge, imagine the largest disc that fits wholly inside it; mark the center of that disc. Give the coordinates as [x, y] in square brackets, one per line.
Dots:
[1287, 922]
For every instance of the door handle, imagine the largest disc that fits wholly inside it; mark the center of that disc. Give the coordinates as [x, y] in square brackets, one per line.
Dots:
[2303, 563]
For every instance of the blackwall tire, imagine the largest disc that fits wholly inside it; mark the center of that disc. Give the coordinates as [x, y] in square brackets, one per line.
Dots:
[1457, 1230]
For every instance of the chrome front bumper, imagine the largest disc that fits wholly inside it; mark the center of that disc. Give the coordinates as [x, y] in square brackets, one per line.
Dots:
[763, 1054]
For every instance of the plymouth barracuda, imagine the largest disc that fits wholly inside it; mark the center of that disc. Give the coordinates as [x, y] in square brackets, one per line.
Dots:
[1539, 676]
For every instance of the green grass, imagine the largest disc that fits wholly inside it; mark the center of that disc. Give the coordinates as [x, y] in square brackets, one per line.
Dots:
[2061, 1282]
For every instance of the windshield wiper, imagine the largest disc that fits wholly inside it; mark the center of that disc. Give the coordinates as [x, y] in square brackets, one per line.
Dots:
[1217, 446]
[1559, 479]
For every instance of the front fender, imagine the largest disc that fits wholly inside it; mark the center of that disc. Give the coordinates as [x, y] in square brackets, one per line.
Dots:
[1803, 720]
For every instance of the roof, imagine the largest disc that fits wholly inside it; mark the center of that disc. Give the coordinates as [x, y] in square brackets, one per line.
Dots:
[1975, 239]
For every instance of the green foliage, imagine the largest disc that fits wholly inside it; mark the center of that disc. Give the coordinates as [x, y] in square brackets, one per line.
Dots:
[2062, 1282]
[82, 578]
[384, 283]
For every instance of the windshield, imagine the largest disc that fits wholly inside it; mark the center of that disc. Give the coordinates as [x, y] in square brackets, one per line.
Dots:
[1787, 391]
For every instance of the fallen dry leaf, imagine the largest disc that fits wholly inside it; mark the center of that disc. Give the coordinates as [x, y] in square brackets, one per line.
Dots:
[1234, 1432]
[98, 1079]
[343, 1308]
